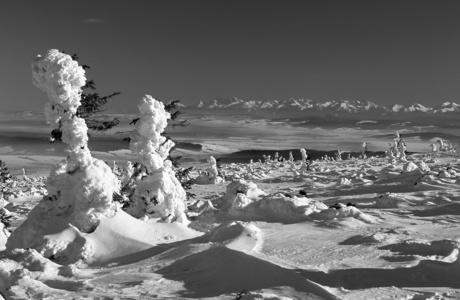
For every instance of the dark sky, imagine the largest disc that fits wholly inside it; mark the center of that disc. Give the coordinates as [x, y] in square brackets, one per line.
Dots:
[401, 51]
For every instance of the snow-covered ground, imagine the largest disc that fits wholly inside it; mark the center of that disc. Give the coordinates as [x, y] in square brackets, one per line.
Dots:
[279, 238]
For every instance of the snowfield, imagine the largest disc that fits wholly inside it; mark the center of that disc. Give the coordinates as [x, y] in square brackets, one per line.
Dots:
[275, 237]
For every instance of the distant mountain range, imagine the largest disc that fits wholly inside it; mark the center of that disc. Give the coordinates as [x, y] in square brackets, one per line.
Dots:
[300, 108]
[307, 107]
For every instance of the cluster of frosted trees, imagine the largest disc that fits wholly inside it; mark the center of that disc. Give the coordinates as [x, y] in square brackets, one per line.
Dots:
[84, 186]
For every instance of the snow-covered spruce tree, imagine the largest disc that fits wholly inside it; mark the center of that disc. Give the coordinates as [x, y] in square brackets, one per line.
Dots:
[91, 104]
[182, 174]
[5, 175]
[80, 188]
[157, 191]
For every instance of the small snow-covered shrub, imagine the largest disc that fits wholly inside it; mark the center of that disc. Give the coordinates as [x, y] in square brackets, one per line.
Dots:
[211, 174]
[239, 194]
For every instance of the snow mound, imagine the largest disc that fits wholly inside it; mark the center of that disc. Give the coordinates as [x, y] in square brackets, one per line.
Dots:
[280, 208]
[230, 265]
[391, 200]
[441, 250]
[80, 197]
[387, 176]
[116, 239]
[345, 212]
[239, 194]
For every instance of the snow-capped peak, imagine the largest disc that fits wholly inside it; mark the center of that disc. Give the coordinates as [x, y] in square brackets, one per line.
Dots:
[302, 107]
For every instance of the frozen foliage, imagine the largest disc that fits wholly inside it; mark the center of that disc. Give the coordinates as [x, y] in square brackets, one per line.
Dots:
[210, 175]
[80, 188]
[61, 78]
[156, 191]
[5, 175]
[147, 143]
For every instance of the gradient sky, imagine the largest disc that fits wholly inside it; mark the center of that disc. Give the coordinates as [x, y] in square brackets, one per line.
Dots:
[401, 51]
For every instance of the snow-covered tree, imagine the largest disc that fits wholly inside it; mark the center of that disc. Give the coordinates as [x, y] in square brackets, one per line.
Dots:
[156, 188]
[4, 173]
[80, 188]
[90, 106]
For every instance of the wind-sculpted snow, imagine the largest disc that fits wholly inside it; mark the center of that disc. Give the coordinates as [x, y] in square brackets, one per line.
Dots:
[342, 229]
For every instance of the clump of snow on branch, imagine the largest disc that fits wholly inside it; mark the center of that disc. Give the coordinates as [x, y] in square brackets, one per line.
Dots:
[61, 78]
[147, 143]
[157, 190]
